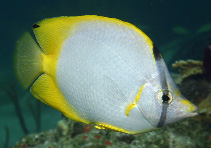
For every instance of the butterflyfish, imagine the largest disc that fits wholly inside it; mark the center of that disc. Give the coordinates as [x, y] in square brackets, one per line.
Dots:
[102, 71]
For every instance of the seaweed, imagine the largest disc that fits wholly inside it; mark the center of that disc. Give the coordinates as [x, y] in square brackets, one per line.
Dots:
[11, 92]
[7, 136]
[36, 112]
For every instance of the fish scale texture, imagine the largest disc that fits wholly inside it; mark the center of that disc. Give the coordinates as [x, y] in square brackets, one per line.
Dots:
[101, 67]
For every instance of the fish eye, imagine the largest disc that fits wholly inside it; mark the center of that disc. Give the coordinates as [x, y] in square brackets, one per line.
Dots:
[165, 96]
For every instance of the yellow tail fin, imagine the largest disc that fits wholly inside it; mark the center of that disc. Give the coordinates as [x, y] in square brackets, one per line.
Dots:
[27, 60]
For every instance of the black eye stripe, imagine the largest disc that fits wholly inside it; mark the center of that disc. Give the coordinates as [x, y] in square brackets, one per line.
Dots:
[166, 98]
[163, 115]
[161, 68]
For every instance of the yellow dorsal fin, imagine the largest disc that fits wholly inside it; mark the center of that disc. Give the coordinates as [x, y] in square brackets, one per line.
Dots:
[52, 32]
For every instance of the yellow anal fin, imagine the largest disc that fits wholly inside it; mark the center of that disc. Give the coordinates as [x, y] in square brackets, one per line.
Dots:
[114, 128]
[105, 126]
[100, 127]
[132, 105]
[46, 91]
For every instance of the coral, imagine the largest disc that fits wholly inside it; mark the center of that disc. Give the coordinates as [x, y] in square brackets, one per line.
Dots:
[63, 126]
[188, 68]
[195, 88]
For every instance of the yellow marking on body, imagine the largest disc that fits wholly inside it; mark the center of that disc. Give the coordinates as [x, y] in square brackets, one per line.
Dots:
[132, 105]
[46, 91]
[177, 92]
[190, 106]
[129, 108]
[49, 65]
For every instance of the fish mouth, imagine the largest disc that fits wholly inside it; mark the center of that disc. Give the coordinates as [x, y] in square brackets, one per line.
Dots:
[189, 114]
[179, 111]
[188, 109]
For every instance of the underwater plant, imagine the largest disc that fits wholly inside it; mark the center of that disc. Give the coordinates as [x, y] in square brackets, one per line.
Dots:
[11, 92]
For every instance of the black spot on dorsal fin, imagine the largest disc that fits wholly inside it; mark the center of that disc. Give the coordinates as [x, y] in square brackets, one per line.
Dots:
[35, 26]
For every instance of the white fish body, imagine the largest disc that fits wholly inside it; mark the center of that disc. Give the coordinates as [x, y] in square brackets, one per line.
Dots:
[101, 71]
